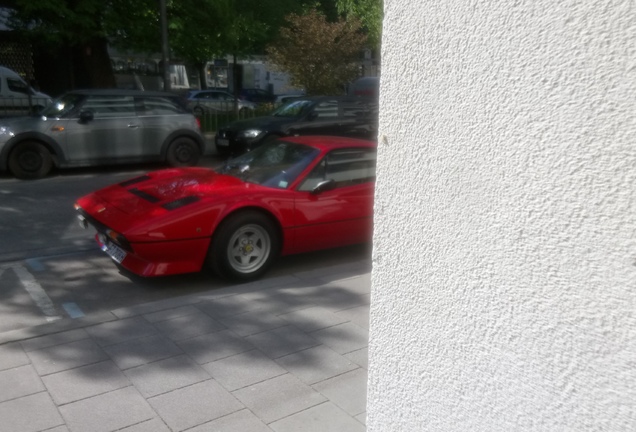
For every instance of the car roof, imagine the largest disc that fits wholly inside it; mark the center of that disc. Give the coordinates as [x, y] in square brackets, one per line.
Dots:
[326, 142]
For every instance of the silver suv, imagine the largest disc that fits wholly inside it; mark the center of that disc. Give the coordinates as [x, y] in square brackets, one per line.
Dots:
[99, 127]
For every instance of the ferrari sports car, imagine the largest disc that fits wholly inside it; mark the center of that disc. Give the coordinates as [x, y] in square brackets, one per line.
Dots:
[288, 196]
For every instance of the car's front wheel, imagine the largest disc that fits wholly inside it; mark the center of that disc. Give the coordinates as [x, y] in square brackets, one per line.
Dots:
[183, 152]
[244, 246]
[30, 160]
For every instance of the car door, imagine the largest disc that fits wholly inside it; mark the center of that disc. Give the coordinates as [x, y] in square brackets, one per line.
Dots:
[342, 215]
[114, 132]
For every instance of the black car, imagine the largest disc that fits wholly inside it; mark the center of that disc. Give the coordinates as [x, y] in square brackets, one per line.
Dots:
[346, 116]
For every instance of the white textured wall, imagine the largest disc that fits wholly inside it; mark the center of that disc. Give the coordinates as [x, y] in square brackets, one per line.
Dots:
[504, 279]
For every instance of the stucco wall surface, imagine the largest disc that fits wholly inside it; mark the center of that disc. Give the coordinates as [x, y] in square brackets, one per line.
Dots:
[504, 261]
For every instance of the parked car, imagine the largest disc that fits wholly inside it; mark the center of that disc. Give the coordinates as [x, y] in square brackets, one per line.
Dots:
[319, 115]
[365, 86]
[99, 127]
[257, 96]
[292, 195]
[206, 101]
[17, 97]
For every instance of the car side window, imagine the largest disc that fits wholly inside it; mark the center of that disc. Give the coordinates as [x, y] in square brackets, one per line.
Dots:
[158, 106]
[18, 86]
[326, 109]
[110, 106]
[346, 167]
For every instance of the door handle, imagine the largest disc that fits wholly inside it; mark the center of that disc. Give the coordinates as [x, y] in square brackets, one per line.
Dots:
[133, 126]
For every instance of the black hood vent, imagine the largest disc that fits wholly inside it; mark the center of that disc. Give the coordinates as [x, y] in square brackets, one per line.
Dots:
[172, 205]
[144, 195]
[134, 181]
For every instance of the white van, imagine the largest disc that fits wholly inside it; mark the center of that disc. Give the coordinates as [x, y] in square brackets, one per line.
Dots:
[17, 97]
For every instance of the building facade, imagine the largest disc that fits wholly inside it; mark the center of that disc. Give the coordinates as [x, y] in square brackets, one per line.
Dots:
[504, 257]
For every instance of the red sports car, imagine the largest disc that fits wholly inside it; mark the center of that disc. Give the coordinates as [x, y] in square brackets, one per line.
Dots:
[290, 195]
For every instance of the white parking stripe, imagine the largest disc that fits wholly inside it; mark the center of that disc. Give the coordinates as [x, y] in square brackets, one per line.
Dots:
[36, 292]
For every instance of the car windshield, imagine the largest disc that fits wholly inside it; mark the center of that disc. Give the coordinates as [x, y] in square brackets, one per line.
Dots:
[292, 109]
[62, 105]
[275, 164]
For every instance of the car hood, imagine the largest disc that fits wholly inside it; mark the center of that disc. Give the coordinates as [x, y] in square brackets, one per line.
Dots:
[168, 190]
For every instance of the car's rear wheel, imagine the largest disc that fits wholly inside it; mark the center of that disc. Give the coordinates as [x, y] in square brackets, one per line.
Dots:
[30, 160]
[183, 152]
[244, 246]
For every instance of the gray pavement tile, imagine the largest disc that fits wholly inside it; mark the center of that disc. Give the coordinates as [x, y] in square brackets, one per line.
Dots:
[362, 418]
[214, 346]
[194, 405]
[12, 355]
[282, 341]
[348, 391]
[343, 338]
[171, 313]
[17, 414]
[147, 308]
[188, 326]
[360, 357]
[243, 369]
[313, 318]
[337, 272]
[279, 300]
[66, 356]
[83, 382]
[251, 323]
[228, 306]
[322, 418]
[358, 315]
[316, 364]
[62, 428]
[54, 339]
[240, 421]
[107, 412]
[141, 351]
[18, 382]
[154, 425]
[122, 330]
[359, 284]
[278, 397]
[166, 375]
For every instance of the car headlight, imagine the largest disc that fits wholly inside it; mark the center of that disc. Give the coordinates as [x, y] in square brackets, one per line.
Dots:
[249, 133]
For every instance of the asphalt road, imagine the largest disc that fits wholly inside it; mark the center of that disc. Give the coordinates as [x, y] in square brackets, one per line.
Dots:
[51, 268]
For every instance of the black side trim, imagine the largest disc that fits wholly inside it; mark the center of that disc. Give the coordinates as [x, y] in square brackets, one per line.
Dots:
[144, 195]
[134, 181]
[172, 205]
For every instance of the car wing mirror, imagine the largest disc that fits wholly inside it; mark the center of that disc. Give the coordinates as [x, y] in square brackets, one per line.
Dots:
[86, 116]
[324, 186]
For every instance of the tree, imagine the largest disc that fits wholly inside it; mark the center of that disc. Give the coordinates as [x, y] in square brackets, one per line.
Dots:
[369, 12]
[319, 56]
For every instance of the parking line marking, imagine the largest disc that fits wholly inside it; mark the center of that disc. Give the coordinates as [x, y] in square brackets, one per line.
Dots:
[73, 310]
[36, 292]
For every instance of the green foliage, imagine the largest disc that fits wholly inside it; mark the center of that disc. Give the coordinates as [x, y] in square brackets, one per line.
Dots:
[320, 56]
[369, 12]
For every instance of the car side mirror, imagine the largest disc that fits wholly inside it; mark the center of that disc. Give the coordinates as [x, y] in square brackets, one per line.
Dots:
[324, 186]
[86, 116]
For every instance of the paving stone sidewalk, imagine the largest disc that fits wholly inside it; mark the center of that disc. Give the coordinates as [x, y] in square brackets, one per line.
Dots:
[283, 354]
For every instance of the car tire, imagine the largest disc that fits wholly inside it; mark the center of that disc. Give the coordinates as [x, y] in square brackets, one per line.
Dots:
[183, 152]
[30, 160]
[244, 246]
